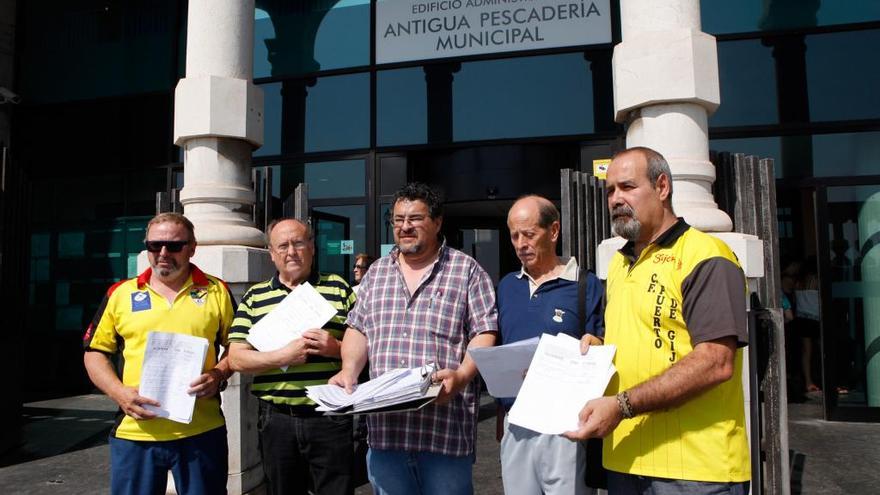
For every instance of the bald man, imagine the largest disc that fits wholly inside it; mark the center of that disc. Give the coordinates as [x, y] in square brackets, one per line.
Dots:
[543, 297]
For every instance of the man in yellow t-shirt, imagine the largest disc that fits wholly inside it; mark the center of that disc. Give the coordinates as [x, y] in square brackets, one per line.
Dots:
[171, 296]
[674, 419]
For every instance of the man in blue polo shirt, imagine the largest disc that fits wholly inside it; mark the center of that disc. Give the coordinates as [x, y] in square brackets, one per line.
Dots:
[543, 298]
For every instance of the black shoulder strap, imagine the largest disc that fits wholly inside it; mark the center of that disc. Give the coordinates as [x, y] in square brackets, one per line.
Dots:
[582, 299]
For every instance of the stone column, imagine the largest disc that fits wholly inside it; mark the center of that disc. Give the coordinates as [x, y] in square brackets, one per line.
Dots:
[218, 121]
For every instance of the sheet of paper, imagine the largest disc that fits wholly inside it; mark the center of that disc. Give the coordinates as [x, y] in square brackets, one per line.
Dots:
[503, 367]
[171, 362]
[303, 309]
[559, 382]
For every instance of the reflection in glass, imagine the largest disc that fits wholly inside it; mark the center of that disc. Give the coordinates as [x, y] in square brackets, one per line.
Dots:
[748, 86]
[763, 15]
[334, 179]
[530, 96]
[401, 107]
[846, 154]
[324, 114]
[842, 83]
[763, 147]
[305, 36]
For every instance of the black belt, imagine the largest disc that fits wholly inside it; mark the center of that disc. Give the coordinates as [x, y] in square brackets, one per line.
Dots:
[299, 410]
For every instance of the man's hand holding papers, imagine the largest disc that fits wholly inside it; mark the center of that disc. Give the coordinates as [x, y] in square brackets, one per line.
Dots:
[559, 381]
[397, 387]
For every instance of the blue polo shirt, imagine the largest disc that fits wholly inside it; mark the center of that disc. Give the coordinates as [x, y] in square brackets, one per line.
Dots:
[551, 309]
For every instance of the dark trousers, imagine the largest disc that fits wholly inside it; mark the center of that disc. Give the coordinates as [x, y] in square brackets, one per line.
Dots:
[303, 452]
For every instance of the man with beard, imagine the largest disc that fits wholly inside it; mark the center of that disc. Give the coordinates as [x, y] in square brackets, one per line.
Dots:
[422, 303]
[548, 295]
[676, 310]
[299, 445]
[172, 295]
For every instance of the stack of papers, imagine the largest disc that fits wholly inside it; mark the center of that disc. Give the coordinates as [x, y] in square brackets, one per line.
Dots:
[559, 382]
[395, 387]
[303, 309]
[171, 362]
[503, 368]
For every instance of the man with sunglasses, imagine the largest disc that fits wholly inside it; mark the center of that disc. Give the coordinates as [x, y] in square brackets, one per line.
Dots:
[300, 447]
[172, 295]
[423, 302]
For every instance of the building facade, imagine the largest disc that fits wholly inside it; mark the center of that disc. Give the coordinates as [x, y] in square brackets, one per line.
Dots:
[354, 109]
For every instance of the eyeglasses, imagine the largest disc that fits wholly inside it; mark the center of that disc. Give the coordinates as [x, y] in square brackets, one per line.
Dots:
[171, 246]
[283, 248]
[360, 267]
[414, 220]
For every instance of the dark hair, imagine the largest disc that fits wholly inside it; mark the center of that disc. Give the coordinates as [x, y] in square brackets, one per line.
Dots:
[366, 257]
[422, 192]
[309, 233]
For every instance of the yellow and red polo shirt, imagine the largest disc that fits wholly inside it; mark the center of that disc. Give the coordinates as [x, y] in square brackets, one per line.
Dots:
[685, 288]
[130, 310]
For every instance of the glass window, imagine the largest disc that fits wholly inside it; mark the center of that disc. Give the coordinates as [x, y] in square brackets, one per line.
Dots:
[748, 84]
[762, 147]
[842, 82]
[518, 97]
[334, 179]
[401, 107]
[719, 17]
[78, 49]
[305, 36]
[846, 154]
[329, 113]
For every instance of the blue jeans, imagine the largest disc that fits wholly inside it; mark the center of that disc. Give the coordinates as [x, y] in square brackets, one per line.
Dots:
[630, 484]
[198, 464]
[397, 472]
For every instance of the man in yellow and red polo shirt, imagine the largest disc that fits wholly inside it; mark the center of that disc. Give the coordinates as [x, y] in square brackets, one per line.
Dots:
[674, 420]
[174, 296]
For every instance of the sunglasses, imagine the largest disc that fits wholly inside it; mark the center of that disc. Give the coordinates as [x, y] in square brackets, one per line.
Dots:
[171, 246]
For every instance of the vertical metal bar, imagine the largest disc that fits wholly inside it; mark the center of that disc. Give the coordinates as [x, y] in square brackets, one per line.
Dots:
[565, 201]
[580, 208]
[301, 202]
[589, 261]
[268, 214]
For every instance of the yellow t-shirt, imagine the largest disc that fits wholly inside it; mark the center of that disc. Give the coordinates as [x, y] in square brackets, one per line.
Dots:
[685, 288]
[131, 309]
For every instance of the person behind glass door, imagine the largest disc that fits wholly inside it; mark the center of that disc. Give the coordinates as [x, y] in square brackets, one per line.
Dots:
[362, 262]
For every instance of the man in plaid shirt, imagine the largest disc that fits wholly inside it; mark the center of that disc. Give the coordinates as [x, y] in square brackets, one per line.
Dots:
[424, 302]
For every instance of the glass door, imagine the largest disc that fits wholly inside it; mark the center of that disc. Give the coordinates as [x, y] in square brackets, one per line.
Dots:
[848, 243]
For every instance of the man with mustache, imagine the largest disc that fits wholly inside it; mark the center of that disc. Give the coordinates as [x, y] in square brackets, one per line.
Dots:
[548, 295]
[172, 295]
[673, 421]
[422, 303]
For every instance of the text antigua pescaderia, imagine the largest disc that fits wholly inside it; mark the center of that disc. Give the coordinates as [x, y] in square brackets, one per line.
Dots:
[503, 26]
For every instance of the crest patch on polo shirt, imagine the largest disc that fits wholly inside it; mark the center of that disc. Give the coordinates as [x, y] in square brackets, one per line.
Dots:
[558, 316]
[140, 301]
[198, 296]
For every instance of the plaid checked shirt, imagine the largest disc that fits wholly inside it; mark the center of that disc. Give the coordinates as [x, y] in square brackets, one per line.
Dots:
[454, 302]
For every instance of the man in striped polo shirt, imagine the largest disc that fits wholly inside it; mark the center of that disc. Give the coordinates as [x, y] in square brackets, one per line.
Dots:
[300, 447]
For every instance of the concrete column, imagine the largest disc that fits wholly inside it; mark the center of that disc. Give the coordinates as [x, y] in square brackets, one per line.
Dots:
[218, 121]
[665, 87]
[869, 227]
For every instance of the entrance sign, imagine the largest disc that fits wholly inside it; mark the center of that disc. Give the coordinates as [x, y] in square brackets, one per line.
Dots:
[428, 29]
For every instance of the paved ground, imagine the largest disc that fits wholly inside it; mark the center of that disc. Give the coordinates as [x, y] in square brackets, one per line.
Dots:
[66, 451]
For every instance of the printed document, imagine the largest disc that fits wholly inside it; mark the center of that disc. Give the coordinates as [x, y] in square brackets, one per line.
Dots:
[303, 309]
[397, 387]
[171, 362]
[503, 368]
[559, 382]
